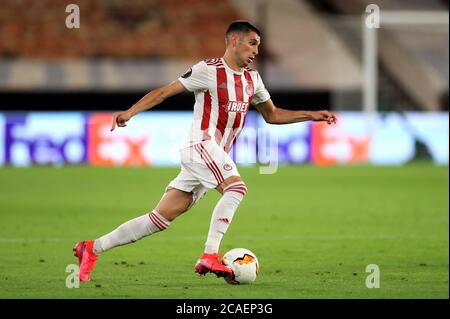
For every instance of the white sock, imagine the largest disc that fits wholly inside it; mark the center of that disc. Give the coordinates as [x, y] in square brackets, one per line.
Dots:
[131, 231]
[223, 214]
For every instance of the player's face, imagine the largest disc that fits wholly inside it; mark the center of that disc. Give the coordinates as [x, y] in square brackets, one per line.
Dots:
[247, 48]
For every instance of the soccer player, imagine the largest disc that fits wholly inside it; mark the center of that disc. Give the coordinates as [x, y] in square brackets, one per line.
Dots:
[224, 89]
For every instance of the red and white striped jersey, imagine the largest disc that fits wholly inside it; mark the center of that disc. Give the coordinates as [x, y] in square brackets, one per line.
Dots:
[222, 100]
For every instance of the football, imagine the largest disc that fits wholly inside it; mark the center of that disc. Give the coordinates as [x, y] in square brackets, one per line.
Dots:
[243, 263]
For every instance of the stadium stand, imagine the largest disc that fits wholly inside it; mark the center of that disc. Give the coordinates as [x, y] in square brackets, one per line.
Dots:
[114, 29]
[133, 46]
[122, 45]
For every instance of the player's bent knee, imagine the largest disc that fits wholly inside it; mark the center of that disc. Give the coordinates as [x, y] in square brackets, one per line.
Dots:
[237, 186]
[229, 182]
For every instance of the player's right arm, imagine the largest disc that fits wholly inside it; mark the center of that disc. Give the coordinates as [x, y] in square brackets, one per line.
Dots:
[147, 102]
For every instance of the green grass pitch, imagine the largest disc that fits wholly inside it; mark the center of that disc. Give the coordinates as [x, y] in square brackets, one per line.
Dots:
[314, 230]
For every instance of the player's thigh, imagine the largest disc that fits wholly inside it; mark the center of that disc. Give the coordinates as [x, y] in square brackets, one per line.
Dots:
[188, 191]
[173, 203]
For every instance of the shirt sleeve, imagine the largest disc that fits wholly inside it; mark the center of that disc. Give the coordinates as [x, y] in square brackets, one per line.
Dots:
[261, 94]
[195, 78]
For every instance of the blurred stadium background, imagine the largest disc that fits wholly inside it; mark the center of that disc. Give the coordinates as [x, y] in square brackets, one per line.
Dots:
[59, 86]
[124, 49]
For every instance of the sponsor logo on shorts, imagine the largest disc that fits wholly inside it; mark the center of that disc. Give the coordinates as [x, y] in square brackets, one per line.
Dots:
[227, 167]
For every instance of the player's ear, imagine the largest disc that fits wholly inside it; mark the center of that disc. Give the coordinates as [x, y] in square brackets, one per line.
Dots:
[234, 39]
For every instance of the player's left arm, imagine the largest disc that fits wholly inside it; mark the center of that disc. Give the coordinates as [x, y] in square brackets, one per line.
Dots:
[276, 115]
[148, 101]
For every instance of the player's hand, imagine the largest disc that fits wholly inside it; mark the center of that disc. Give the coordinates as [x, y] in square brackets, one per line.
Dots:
[120, 119]
[324, 116]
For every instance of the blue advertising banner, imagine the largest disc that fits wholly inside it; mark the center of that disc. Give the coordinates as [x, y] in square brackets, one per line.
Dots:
[154, 139]
[44, 139]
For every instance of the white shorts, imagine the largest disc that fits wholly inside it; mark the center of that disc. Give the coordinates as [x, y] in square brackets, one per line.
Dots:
[203, 166]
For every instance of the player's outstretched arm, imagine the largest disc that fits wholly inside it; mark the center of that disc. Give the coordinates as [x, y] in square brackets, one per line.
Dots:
[276, 115]
[149, 100]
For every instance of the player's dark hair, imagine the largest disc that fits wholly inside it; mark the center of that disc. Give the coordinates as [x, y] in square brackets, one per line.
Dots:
[241, 27]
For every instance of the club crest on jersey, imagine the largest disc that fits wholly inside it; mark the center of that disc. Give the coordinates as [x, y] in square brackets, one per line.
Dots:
[234, 106]
[249, 90]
